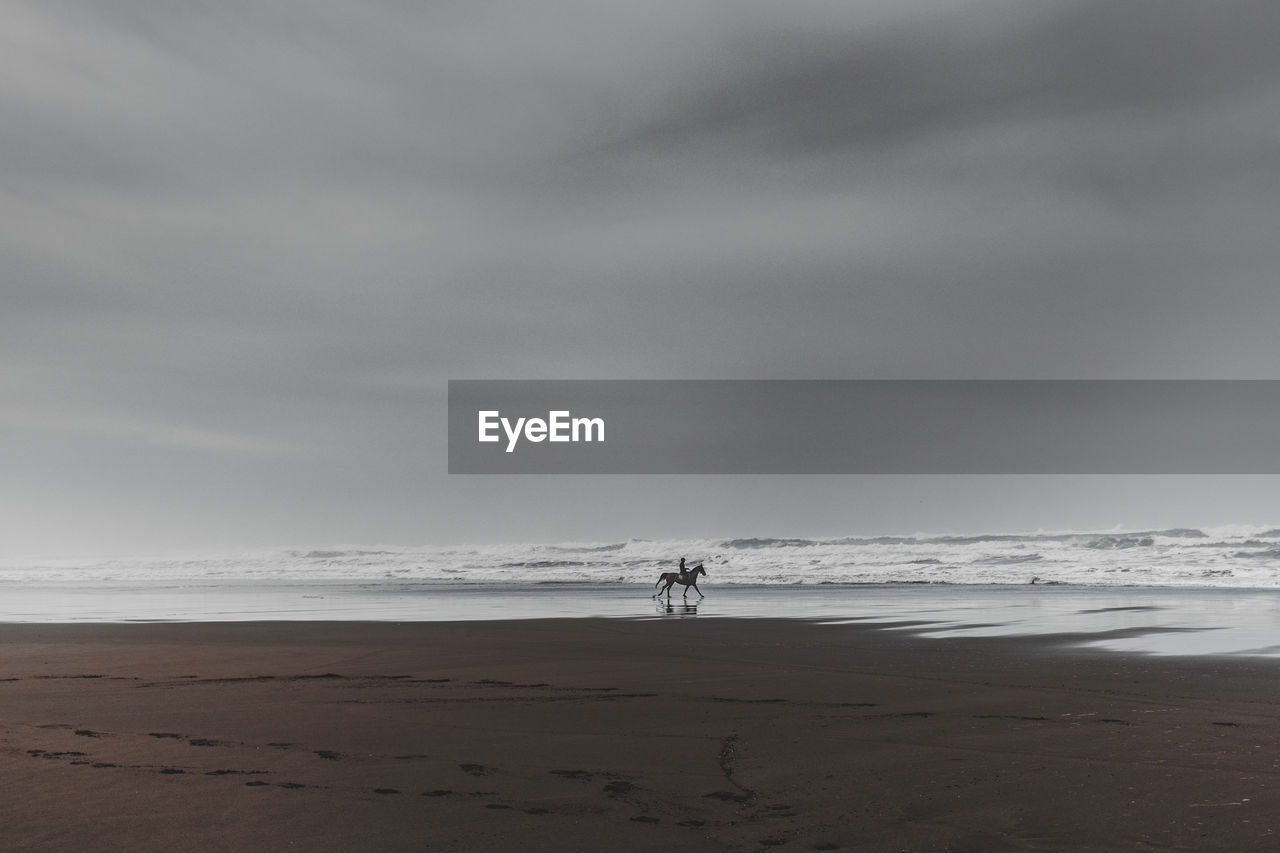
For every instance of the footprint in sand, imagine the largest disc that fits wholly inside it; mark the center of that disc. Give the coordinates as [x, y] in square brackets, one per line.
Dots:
[62, 754]
[572, 774]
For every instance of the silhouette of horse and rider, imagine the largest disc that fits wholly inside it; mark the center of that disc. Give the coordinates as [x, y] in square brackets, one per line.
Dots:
[686, 577]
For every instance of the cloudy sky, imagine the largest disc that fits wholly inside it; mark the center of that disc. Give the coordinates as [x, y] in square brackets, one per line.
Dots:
[247, 243]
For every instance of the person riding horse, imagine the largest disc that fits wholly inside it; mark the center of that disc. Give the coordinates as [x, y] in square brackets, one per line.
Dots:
[686, 577]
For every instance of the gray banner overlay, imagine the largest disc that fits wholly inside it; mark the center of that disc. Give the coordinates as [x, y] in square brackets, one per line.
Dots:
[864, 427]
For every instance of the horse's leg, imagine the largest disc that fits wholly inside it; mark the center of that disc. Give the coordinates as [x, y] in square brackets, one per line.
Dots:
[700, 595]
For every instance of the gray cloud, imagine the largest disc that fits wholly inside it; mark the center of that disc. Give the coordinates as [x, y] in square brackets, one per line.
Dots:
[844, 89]
[246, 244]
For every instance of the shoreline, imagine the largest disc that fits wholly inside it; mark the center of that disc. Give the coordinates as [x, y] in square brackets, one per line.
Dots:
[1160, 621]
[574, 734]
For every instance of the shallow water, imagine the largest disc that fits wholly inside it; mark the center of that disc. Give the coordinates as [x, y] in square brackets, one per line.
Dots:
[1132, 619]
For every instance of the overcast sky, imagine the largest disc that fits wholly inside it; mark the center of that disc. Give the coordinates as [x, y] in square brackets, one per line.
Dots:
[246, 244]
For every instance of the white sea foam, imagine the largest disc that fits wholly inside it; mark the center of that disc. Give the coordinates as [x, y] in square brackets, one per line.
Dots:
[1215, 557]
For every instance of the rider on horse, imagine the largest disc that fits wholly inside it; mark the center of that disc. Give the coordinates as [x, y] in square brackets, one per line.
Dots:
[687, 577]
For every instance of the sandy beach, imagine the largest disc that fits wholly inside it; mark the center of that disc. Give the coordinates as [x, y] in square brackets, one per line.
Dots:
[591, 734]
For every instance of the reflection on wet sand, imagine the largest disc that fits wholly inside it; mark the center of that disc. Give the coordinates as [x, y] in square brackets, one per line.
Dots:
[1134, 619]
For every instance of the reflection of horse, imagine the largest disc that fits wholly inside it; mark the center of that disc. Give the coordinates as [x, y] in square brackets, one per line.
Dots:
[687, 578]
[681, 610]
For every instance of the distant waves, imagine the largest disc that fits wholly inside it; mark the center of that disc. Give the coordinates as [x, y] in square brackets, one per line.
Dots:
[1216, 557]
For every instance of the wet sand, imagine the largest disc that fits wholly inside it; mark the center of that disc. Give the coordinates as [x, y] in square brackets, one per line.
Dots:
[1176, 621]
[590, 734]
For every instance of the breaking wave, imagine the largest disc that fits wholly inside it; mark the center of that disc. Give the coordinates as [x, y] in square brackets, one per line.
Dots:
[1113, 542]
[1235, 557]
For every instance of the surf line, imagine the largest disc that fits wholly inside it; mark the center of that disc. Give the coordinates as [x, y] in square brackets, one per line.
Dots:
[559, 425]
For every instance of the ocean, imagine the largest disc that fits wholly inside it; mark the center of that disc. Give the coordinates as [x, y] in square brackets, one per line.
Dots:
[1176, 591]
[1211, 557]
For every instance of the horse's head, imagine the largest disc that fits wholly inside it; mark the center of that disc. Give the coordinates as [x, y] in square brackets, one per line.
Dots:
[698, 570]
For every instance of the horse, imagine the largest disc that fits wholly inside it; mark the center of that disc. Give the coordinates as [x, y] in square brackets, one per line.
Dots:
[687, 578]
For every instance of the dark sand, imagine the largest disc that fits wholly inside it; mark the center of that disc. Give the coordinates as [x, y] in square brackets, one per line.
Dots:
[576, 735]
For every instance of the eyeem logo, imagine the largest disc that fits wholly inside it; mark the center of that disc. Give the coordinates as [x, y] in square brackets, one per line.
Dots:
[559, 426]
[926, 426]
